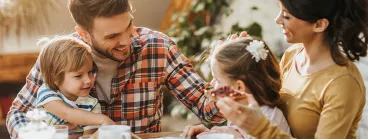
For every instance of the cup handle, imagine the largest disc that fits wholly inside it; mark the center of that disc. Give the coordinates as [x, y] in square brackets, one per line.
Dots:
[126, 135]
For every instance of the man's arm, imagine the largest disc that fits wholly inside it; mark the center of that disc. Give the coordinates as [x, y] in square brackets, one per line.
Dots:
[24, 101]
[189, 87]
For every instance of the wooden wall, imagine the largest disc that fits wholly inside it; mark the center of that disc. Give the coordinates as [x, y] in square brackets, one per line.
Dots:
[15, 67]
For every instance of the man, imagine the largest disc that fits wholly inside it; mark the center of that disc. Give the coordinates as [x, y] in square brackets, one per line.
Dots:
[132, 65]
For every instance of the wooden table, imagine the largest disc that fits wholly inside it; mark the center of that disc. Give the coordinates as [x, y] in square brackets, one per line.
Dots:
[158, 134]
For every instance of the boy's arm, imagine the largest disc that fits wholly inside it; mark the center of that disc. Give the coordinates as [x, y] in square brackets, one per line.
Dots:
[76, 116]
[96, 109]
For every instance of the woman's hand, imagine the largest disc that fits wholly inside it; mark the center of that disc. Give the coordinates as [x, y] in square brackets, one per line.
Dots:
[234, 37]
[192, 130]
[246, 117]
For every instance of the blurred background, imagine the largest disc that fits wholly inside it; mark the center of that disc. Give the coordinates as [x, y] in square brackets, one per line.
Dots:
[194, 24]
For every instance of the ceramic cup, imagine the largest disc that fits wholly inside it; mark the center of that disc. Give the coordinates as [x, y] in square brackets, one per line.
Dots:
[114, 132]
[216, 136]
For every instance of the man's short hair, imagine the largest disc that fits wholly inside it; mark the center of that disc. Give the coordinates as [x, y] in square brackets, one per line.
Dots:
[85, 11]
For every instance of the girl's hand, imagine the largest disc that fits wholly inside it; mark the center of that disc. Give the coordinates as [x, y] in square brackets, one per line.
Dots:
[192, 130]
[246, 117]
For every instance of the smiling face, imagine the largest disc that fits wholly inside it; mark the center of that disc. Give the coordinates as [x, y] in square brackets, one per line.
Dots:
[78, 83]
[219, 78]
[111, 36]
[295, 30]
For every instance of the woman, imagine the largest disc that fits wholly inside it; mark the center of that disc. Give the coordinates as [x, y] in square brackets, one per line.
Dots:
[322, 93]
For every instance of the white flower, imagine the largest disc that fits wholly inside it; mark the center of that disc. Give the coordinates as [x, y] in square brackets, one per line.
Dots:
[256, 48]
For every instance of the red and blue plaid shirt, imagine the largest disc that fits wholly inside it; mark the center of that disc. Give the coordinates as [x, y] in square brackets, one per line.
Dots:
[136, 99]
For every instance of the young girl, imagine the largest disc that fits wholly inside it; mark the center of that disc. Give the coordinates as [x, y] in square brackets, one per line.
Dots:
[66, 66]
[246, 65]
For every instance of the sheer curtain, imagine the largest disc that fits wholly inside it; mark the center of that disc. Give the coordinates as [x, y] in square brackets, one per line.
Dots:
[362, 132]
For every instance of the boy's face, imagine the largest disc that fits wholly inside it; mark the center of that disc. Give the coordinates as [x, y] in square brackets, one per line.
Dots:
[78, 83]
[110, 37]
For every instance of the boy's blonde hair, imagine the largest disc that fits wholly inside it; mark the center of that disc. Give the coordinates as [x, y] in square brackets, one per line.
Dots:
[61, 54]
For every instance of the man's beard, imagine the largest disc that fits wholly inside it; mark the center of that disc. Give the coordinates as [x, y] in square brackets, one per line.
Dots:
[103, 52]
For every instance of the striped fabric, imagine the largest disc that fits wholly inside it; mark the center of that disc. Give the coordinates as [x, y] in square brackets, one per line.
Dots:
[85, 103]
[136, 97]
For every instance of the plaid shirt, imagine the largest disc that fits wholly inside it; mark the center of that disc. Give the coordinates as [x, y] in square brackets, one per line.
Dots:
[136, 99]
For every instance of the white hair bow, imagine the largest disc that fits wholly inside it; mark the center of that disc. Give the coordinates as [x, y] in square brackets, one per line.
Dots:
[257, 49]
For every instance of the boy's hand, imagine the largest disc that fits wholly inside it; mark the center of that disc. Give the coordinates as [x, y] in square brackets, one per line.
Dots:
[107, 121]
[192, 130]
[70, 126]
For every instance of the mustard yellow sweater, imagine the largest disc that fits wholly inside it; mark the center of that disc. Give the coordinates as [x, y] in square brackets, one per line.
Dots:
[327, 104]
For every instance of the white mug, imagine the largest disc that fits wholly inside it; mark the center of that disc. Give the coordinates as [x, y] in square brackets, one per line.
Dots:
[114, 132]
[216, 136]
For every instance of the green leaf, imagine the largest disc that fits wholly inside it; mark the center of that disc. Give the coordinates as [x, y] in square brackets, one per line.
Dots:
[185, 33]
[254, 8]
[209, 1]
[228, 12]
[182, 19]
[175, 16]
[225, 3]
[255, 29]
[213, 8]
[201, 31]
[199, 7]
[205, 43]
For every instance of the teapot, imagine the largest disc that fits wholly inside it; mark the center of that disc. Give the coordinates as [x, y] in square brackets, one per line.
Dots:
[36, 128]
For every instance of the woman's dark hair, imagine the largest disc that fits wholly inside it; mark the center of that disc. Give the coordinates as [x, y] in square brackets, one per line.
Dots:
[262, 77]
[348, 24]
